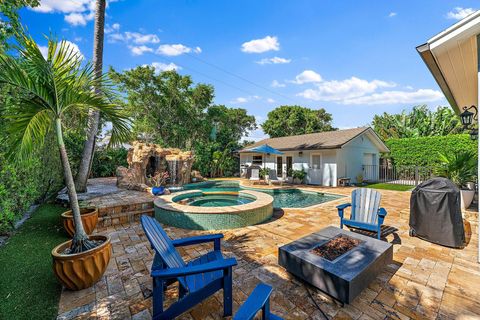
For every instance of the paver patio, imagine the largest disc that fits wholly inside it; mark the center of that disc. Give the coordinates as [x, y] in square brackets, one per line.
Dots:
[425, 281]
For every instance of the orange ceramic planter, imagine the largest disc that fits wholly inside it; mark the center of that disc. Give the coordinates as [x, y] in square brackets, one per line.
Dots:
[81, 270]
[89, 220]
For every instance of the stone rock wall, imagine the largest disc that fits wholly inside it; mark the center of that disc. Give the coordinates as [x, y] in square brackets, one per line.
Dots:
[145, 160]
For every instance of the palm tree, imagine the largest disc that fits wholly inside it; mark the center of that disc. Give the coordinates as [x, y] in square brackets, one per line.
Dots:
[93, 115]
[50, 89]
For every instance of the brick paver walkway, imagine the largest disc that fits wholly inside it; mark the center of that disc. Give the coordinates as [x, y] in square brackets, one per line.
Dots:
[425, 281]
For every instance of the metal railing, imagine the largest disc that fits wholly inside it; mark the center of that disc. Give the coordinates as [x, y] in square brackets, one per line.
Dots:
[406, 175]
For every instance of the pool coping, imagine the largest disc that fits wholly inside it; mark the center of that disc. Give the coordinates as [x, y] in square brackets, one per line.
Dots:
[244, 187]
[166, 202]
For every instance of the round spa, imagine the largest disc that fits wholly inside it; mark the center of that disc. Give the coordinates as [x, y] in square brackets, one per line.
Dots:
[199, 210]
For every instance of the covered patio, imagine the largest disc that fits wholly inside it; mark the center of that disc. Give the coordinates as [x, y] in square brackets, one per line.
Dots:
[452, 56]
[424, 281]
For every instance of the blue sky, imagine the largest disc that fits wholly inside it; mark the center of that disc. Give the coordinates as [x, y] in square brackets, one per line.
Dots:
[353, 58]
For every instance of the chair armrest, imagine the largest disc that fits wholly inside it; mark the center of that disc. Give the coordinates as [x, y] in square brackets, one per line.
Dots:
[171, 273]
[344, 206]
[215, 238]
[255, 301]
[381, 215]
[341, 208]
[382, 212]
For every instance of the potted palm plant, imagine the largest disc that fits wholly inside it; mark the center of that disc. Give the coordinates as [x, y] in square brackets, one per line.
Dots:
[51, 89]
[461, 169]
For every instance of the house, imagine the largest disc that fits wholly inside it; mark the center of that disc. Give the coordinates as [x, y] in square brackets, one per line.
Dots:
[324, 156]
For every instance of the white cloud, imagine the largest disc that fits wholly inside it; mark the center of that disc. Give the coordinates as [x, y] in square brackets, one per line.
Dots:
[173, 49]
[198, 50]
[77, 12]
[160, 66]
[261, 45]
[356, 91]
[139, 38]
[270, 100]
[394, 97]
[392, 14]
[44, 51]
[340, 90]
[274, 60]
[307, 76]
[240, 100]
[112, 28]
[139, 50]
[115, 37]
[79, 19]
[74, 47]
[459, 13]
[276, 84]
[64, 6]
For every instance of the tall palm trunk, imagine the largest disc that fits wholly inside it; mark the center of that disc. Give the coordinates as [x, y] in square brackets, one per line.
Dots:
[80, 241]
[93, 115]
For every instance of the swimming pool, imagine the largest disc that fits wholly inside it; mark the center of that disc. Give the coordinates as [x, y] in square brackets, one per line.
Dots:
[213, 200]
[282, 198]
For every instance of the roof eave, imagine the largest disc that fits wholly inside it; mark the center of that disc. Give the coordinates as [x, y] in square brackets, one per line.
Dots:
[428, 58]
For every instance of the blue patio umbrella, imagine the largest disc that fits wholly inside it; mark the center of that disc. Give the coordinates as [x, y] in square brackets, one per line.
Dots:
[263, 149]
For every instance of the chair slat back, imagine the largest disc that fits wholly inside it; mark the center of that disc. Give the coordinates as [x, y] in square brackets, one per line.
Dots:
[365, 204]
[161, 242]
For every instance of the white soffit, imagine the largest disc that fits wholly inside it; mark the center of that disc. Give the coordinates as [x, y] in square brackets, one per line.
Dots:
[455, 52]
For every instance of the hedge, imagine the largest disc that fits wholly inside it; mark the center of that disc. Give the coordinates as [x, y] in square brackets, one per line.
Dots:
[424, 151]
[106, 161]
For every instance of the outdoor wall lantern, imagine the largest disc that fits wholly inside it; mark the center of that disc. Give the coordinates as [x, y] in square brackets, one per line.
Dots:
[300, 153]
[467, 117]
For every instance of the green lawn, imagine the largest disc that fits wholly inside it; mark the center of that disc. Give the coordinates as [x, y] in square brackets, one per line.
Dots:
[28, 287]
[389, 186]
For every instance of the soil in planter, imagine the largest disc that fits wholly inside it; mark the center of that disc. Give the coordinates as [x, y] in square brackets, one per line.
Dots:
[95, 243]
[335, 247]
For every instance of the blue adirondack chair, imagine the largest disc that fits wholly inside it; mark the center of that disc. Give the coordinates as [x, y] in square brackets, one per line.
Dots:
[197, 279]
[258, 300]
[366, 213]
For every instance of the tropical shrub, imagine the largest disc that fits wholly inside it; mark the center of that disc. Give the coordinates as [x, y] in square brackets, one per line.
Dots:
[425, 151]
[264, 172]
[106, 161]
[460, 167]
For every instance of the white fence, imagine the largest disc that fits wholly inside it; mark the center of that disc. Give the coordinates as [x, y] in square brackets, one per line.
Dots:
[406, 175]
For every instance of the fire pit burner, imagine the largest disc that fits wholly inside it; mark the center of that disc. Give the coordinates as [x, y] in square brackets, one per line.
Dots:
[336, 247]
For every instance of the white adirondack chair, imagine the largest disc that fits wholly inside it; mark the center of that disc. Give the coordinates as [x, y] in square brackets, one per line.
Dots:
[366, 213]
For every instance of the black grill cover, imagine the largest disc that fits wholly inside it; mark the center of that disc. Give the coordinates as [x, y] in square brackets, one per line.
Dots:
[435, 213]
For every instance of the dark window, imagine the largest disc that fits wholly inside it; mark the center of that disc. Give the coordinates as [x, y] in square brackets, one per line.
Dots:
[279, 166]
[289, 165]
[257, 160]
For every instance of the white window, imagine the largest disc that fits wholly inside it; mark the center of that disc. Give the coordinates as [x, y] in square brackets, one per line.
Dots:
[257, 160]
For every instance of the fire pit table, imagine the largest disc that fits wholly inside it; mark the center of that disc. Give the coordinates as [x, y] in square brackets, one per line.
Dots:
[338, 262]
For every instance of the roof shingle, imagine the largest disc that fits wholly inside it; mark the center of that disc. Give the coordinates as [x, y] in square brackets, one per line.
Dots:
[312, 141]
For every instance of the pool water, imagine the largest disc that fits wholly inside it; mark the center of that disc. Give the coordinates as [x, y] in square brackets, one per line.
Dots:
[282, 198]
[210, 200]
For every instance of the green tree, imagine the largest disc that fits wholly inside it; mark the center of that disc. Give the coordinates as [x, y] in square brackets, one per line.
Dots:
[420, 122]
[94, 115]
[215, 154]
[10, 20]
[50, 89]
[166, 108]
[294, 120]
